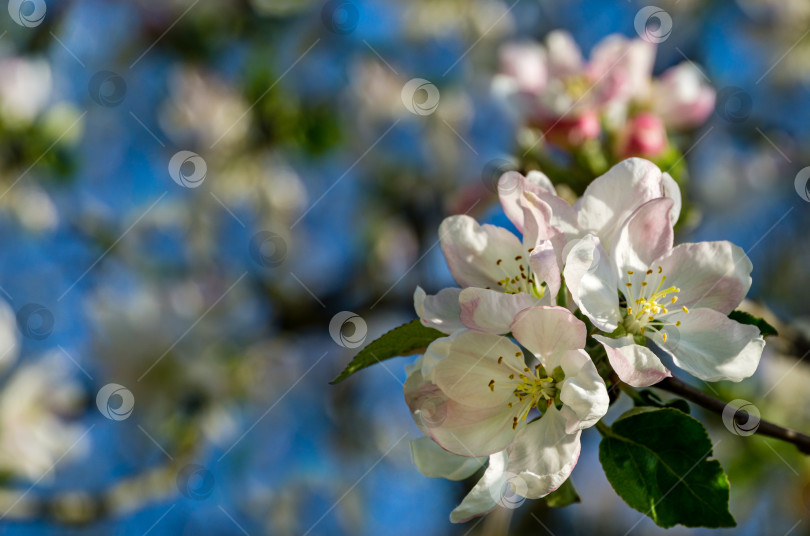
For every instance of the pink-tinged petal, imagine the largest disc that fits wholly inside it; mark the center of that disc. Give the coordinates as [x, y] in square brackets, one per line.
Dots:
[486, 494]
[457, 428]
[439, 311]
[542, 228]
[583, 391]
[623, 68]
[473, 251]
[490, 311]
[592, 282]
[540, 179]
[610, 199]
[511, 187]
[525, 64]
[681, 97]
[545, 264]
[671, 189]
[635, 365]
[549, 332]
[536, 220]
[471, 374]
[645, 236]
[543, 456]
[433, 461]
[711, 346]
[715, 275]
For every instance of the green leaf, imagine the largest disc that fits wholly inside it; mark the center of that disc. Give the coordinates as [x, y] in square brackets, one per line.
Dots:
[647, 397]
[407, 339]
[657, 461]
[563, 496]
[742, 317]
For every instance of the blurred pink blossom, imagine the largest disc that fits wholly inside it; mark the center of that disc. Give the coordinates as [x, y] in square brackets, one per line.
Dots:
[553, 88]
[681, 98]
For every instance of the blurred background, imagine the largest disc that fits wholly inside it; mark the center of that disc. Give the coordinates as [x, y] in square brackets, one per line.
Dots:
[192, 192]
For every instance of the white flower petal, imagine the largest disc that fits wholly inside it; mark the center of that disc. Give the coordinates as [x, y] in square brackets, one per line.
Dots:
[463, 430]
[644, 237]
[583, 390]
[472, 251]
[439, 311]
[486, 494]
[543, 455]
[491, 311]
[471, 364]
[549, 333]
[715, 275]
[453, 402]
[610, 199]
[711, 346]
[592, 282]
[635, 365]
[435, 462]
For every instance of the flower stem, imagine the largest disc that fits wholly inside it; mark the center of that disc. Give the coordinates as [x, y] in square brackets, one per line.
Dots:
[604, 429]
[766, 428]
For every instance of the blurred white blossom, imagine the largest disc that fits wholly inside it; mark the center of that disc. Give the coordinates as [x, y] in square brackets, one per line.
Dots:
[25, 89]
[34, 405]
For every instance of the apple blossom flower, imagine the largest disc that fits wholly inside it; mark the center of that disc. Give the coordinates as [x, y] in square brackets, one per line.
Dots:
[490, 263]
[500, 274]
[554, 89]
[561, 93]
[473, 394]
[677, 297]
[36, 428]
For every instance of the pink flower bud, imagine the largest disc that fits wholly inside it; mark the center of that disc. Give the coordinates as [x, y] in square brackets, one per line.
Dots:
[574, 131]
[644, 135]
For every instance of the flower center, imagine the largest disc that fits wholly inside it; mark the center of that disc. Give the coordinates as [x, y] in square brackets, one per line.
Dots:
[647, 302]
[520, 278]
[531, 387]
[577, 86]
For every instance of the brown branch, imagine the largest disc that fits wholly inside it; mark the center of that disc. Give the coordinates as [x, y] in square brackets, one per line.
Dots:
[715, 405]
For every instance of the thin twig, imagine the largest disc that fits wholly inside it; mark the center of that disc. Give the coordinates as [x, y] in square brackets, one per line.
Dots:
[766, 428]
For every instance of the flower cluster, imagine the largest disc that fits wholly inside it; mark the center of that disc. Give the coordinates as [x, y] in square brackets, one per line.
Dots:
[572, 101]
[513, 380]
